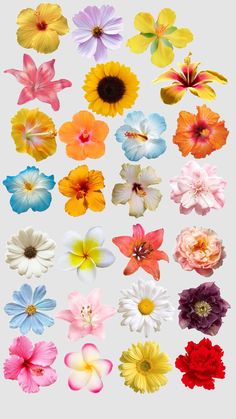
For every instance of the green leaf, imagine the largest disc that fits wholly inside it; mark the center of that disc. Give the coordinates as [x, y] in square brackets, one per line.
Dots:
[167, 43]
[154, 46]
[148, 35]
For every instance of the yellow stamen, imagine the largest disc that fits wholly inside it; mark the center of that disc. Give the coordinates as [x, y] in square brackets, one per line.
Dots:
[30, 310]
[202, 308]
[146, 306]
[160, 30]
[28, 186]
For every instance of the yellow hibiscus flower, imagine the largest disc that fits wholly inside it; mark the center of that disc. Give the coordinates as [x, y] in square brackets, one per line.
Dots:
[34, 133]
[161, 34]
[40, 28]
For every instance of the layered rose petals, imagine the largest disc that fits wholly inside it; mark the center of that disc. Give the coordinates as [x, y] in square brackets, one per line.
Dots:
[87, 369]
[199, 249]
[201, 364]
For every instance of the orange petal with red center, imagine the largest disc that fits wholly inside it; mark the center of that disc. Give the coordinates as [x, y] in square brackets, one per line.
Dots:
[84, 120]
[100, 131]
[80, 174]
[96, 180]
[76, 150]
[95, 201]
[207, 115]
[94, 150]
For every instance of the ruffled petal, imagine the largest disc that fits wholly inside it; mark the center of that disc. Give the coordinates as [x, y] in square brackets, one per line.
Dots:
[121, 193]
[21, 347]
[12, 367]
[44, 354]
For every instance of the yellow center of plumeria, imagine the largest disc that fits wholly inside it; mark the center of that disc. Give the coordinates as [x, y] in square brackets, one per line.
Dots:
[202, 308]
[97, 32]
[30, 310]
[28, 186]
[144, 366]
[146, 306]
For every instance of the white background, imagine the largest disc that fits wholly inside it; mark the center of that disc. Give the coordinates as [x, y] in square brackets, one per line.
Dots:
[212, 23]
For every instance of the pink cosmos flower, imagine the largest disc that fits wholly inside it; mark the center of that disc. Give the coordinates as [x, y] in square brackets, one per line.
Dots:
[38, 82]
[87, 368]
[198, 188]
[199, 249]
[86, 315]
[31, 364]
[143, 250]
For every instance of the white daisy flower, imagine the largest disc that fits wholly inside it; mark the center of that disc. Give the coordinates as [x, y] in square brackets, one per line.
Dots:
[30, 252]
[144, 306]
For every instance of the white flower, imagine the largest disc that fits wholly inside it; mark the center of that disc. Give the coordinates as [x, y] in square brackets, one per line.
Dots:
[30, 252]
[85, 255]
[144, 306]
[136, 191]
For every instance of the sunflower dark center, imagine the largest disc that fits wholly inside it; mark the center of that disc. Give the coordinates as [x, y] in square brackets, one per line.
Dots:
[42, 26]
[30, 252]
[111, 89]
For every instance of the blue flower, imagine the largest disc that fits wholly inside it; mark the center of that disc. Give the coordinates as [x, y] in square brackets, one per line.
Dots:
[29, 189]
[140, 136]
[26, 310]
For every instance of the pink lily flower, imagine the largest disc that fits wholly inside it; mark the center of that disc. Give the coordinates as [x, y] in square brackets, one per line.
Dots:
[86, 315]
[38, 82]
[30, 364]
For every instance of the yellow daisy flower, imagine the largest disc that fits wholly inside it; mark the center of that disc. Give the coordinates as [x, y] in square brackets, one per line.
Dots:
[110, 88]
[161, 34]
[143, 367]
[34, 133]
[40, 28]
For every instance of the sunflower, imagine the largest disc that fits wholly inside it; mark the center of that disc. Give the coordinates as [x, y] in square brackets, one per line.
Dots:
[143, 367]
[110, 88]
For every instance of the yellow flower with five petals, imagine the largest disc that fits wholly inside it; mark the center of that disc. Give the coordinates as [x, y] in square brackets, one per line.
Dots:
[40, 28]
[161, 34]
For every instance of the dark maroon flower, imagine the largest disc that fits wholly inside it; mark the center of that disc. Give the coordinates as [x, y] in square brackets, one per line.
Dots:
[202, 308]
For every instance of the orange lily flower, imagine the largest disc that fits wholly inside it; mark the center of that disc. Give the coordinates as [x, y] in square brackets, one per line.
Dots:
[83, 186]
[188, 79]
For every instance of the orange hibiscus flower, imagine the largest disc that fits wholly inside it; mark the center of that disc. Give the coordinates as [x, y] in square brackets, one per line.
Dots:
[200, 134]
[84, 136]
[83, 186]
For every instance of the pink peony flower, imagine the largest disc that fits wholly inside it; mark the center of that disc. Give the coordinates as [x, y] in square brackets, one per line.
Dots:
[38, 82]
[30, 364]
[87, 368]
[86, 315]
[199, 249]
[198, 188]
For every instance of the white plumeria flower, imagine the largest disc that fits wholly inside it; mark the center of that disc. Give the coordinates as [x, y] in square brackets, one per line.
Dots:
[30, 252]
[137, 191]
[144, 306]
[84, 255]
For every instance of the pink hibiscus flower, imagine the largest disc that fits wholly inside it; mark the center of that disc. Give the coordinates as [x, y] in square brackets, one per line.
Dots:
[86, 315]
[198, 188]
[30, 364]
[142, 249]
[38, 82]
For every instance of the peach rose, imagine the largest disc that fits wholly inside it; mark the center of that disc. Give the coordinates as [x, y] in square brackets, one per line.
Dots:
[199, 249]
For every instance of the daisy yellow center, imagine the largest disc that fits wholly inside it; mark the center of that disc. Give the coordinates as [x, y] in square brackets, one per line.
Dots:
[146, 306]
[97, 32]
[30, 310]
[202, 308]
[138, 189]
[28, 186]
[144, 366]
[160, 30]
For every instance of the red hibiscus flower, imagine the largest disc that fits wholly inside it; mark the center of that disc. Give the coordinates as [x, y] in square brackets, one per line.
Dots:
[201, 364]
[142, 249]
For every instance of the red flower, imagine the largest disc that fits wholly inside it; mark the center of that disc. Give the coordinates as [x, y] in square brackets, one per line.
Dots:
[142, 249]
[201, 364]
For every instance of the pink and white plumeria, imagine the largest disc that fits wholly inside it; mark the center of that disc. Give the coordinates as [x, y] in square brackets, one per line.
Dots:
[31, 364]
[87, 369]
[38, 82]
[198, 188]
[86, 315]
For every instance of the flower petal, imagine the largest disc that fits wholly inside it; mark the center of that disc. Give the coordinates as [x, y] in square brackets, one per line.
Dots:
[94, 238]
[44, 354]
[46, 304]
[12, 309]
[163, 55]
[48, 377]
[136, 205]
[139, 43]
[78, 379]
[203, 91]
[70, 261]
[144, 22]
[21, 347]
[172, 94]
[130, 172]
[39, 293]
[155, 238]
[94, 384]
[66, 315]
[95, 201]
[76, 207]
[152, 198]
[90, 353]
[180, 37]
[132, 266]
[148, 176]
[125, 244]
[87, 271]
[12, 367]
[102, 257]
[103, 366]
[26, 381]
[166, 17]
[75, 361]
[121, 193]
